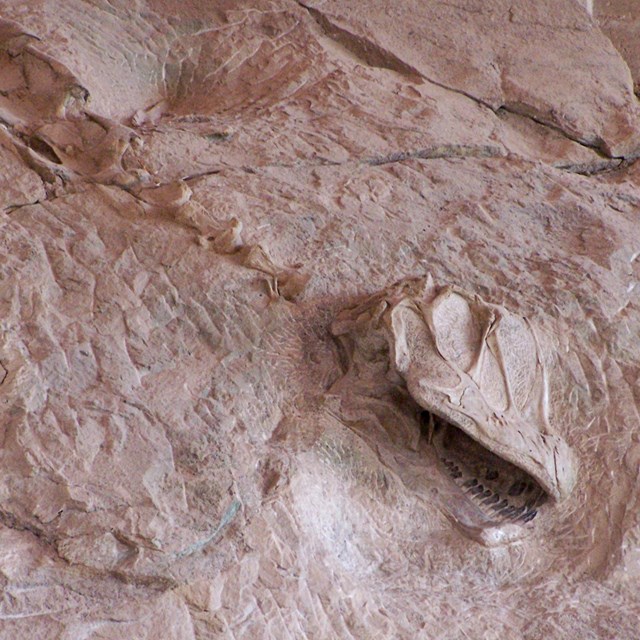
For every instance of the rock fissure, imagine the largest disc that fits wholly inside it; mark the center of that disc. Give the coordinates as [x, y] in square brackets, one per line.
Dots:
[525, 111]
[374, 55]
[364, 49]
[11, 521]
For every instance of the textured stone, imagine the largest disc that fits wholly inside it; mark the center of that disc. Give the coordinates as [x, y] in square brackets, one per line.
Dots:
[620, 21]
[193, 194]
[544, 60]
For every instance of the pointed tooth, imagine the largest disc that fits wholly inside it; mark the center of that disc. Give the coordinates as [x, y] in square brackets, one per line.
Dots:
[500, 506]
[517, 514]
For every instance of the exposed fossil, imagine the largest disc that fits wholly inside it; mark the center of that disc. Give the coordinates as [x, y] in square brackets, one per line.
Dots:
[479, 374]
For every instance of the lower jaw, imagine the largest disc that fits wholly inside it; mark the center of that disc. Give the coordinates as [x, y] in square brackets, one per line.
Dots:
[489, 499]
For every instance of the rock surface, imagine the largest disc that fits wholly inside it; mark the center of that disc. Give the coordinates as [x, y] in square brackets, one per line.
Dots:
[192, 194]
[620, 21]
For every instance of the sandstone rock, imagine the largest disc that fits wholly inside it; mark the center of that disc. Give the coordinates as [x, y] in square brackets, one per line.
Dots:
[620, 20]
[194, 195]
[556, 68]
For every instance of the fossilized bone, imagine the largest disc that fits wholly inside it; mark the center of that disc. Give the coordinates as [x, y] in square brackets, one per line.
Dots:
[480, 368]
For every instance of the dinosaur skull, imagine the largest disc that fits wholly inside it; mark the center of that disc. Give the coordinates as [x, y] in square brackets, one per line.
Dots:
[479, 373]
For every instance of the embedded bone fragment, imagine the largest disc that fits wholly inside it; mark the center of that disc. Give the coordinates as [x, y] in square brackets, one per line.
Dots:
[229, 240]
[173, 194]
[502, 491]
[257, 258]
[291, 283]
[287, 283]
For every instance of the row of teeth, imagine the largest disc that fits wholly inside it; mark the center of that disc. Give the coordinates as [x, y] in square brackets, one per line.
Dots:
[492, 502]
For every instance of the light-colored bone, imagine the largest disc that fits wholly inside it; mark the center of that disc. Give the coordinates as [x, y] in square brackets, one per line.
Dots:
[229, 240]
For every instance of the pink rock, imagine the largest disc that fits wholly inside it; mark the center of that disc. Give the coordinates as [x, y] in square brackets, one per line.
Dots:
[194, 196]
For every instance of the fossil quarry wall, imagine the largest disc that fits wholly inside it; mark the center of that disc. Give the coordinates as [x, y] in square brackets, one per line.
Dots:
[319, 319]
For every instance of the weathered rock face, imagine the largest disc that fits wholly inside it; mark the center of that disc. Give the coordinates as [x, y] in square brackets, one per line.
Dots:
[319, 320]
[620, 21]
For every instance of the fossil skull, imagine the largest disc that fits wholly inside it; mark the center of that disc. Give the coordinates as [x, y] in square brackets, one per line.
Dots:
[472, 364]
